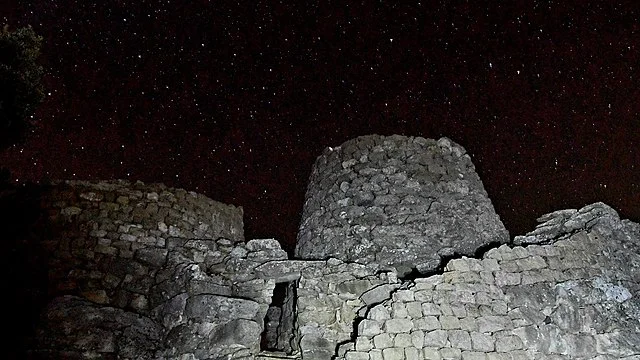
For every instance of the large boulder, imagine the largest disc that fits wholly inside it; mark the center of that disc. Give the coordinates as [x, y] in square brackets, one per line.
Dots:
[398, 201]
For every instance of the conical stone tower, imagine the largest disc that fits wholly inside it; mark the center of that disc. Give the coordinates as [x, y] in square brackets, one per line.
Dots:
[397, 201]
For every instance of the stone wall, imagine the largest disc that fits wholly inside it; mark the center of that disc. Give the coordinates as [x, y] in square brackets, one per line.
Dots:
[147, 272]
[142, 271]
[330, 299]
[574, 298]
[395, 200]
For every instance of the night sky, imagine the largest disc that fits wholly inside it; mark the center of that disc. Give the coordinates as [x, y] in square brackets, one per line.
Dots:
[236, 100]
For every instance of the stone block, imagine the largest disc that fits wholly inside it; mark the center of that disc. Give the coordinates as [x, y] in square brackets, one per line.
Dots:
[504, 278]
[525, 355]
[435, 338]
[482, 342]
[463, 296]
[469, 323]
[430, 309]
[431, 353]
[393, 354]
[412, 353]
[417, 338]
[458, 265]
[128, 237]
[363, 344]
[473, 355]
[488, 324]
[445, 309]
[510, 266]
[402, 340]
[459, 310]
[489, 264]
[356, 355]
[395, 326]
[531, 263]
[424, 296]
[499, 356]
[459, 339]
[383, 341]
[369, 327]
[414, 309]
[495, 253]
[427, 323]
[450, 322]
[399, 310]
[428, 283]
[451, 354]
[375, 354]
[487, 277]
[379, 313]
[152, 256]
[403, 296]
[378, 294]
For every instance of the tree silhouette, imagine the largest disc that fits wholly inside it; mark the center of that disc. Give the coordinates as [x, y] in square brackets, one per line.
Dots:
[20, 87]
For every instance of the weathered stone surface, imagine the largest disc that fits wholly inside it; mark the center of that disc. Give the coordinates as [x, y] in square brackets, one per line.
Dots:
[120, 254]
[133, 271]
[87, 330]
[326, 316]
[564, 223]
[583, 304]
[396, 201]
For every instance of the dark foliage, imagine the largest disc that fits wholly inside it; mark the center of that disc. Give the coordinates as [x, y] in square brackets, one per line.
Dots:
[20, 87]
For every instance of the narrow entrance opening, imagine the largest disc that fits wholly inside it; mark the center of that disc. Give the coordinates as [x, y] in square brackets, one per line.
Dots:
[279, 333]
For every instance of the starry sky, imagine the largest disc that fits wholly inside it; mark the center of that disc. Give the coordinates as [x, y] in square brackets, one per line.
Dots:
[236, 100]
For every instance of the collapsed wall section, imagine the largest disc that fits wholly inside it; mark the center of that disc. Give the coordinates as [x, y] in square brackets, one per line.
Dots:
[398, 201]
[573, 295]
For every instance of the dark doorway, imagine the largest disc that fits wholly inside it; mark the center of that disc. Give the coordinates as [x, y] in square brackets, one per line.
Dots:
[279, 333]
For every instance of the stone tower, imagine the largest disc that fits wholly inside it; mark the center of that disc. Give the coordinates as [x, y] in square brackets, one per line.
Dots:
[397, 201]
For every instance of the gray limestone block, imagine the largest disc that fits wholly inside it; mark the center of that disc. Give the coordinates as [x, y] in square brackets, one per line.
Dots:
[315, 347]
[215, 308]
[378, 294]
[431, 201]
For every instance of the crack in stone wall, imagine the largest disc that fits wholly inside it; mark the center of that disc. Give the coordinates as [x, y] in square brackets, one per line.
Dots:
[142, 271]
[406, 283]
[571, 298]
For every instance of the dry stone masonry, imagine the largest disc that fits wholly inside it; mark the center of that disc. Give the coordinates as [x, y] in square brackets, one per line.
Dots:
[145, 272]
[401, 201]
[573, 299]
[400, 257]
